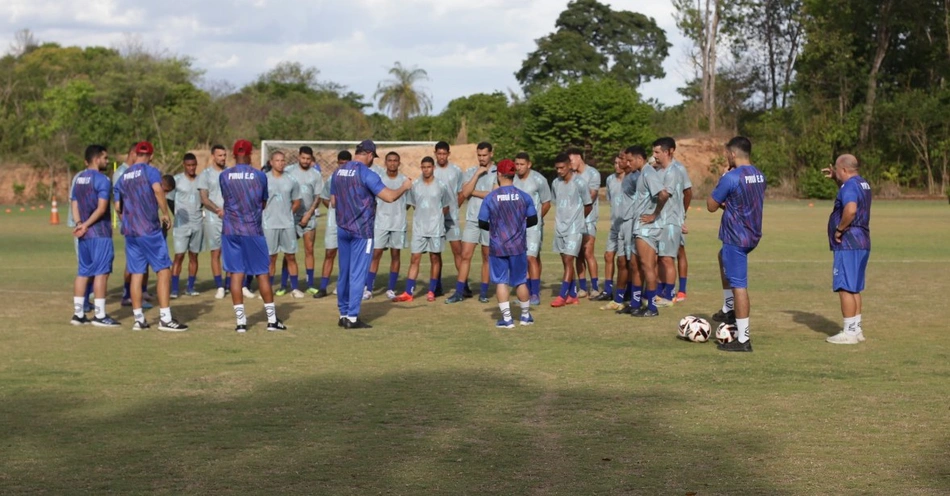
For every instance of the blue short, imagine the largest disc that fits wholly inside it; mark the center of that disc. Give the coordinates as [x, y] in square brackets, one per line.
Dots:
[95, 256]
[511, 270]
[735, 261]
[245, 255]
[849, 268]
[144, 251]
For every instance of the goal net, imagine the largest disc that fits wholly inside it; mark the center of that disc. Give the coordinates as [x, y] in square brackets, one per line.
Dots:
[325, 152]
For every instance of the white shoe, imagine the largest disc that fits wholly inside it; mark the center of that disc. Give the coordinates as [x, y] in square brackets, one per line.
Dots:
[861, 336]
[334, 290]
[367, 294]
[390, 294]
[248, 294]
[297, 293]
[662, 302]
[219, 294]
[844, 338]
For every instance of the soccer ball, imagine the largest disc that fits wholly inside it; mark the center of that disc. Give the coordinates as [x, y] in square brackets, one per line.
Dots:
[726, 333]
[684, 325]
[696, 329]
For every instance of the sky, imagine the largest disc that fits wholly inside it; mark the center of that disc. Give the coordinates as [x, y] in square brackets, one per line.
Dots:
[465, 46]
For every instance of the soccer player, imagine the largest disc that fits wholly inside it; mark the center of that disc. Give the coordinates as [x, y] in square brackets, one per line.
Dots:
[280, 230]
[849, 236]
[210, 190]
[126, 291]
[587, 256]
[311, 185]
[532, 182]
[629, 283]
[571, 194]
[188, 231]
[652, 195]
[669, 222]
[139, 198]
[432, 200]
[89, 204]
[244, 249]
[477, 182]
[72, 223]
[329, 238]
[615, 198]
[506, 213]
[740, 194]
[682, 264]
[354, 191]
[390, 229]
[450, 175]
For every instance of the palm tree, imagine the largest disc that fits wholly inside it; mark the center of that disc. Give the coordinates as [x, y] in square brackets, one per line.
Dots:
[400, 97]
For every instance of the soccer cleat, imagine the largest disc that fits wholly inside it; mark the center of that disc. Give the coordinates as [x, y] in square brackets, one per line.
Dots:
[645, 312]
[126, 302]
[527, 320]
[219, 294]
[467, 292]
[280, 292]
[843, 338]
[735, 345]
[240, 328]
[390, 294]
[605, 296]
[171, 326]
[439, 293]
[312, 290]
[140, 325]
[581, 293]
[558, 302]
[105, 322]
[455, 298]
[613, 305]
[627, 310]
[192, 292]
[248, 293]
[359, 324]
[727, 317]
[681, 296]
[662, 302]
[78, 321]
[367, 294]
[297, 293]
[401, 298]
[277, 326]
[341, 322]
[594, 294]
[321, 293]
[430, 296]
[483, 299]
[505, 324]
[573, 300]
[535, 300]
[173, 296]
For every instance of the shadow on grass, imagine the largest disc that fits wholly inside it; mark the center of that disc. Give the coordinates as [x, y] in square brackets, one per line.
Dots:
[815, 322]
[440, 432]
[936, 466]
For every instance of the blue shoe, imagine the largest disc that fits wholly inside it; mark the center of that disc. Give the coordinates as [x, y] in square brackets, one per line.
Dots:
[146, 305]
[527, 320]
[535, 300]
[505, 324]
[483, 299]
[455, 298]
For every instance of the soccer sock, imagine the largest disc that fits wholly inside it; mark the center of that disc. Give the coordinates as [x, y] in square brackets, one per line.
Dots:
[138, 315]
[126, 292]
[505, 308]
[144, 288]
[661, 289]
[565, 289]
[218, 282]
[393, 279]
[324, 282]
[100, 308]
[670, 291]
[191, 283]
[609, 286]
[525, 308]
[459, 288]
[165, 314]
[649, 296]
[743, 329]
[78, 304]
[483, 290]
[284, 277]
[635, 293]
[433, 285]
[851, 325]
[410, 286]
[683, 285]
[618, 296]
[309, 278]
[628, 291]
[370, 280]
[176, 280]
[294, 282]
[583, 284]
[727, 300]
[271, 310]
[573, 292]
[534, 287]
[240, 315]
[593, 283]
[857, 319]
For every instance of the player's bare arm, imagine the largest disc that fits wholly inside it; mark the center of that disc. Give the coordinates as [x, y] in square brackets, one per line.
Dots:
[544, 208]
[391, 195]
[162, 204]
[207, 203]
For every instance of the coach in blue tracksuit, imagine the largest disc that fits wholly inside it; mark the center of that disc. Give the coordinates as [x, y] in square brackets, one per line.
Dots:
[353, 191]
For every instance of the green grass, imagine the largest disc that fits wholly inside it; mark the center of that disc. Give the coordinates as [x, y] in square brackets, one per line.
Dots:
[434, 400]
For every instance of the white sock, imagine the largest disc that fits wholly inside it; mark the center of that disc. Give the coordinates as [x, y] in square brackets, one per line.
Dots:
[165, 314]
[100, 308]
[271, 310]
[857, 320]
[505, 311]
[351, 319]
[743, 326]
[851, 325]
[240, 315]
[525, 308]
[138, 314]
[727, 301]
[78, 303]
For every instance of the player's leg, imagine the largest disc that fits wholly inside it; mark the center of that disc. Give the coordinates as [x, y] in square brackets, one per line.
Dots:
[79, 301]
[294, 270]
[646, 257]
[518, 279]
[667, 274]
[309, 238]
[435, 269]
[395, 264]
[359, 263]
[683, 268]
[848, 282]
[483, 289]
[735, 265]
[374, 266]
[580, 262]
[568, 262]
[610, 258]
[727, 313]
[254, 252]
[590, 259]
[329, 257]
[414, 261]
[500, 274]
[343, 281]
[177, 263]
[272, 266]
[156, 250]
[464, 266]
[192, 273]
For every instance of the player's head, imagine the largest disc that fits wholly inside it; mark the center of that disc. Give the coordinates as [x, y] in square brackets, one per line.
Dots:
[506, 172]
[130, 155]
[278, 161]
[168, 183]
[846, 167]
[305, 157]
[392, 162]
[485, 153]
[427, 166]
[365, 152]
[219, 156]
[343, 157]
[619, 166]
[576, 156]
[96, 156]
[738, 151]
[442, 153]
[190, 163]
[635, 157]
[522, 164]
[562, 164]
[242, 151]
[663, 149]
[143, 152]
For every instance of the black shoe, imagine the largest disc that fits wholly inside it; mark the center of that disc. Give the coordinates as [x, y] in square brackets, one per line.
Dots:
[735, 345]
[240, 328]
[455, 298]
[78, 321]
[171, 326]
[341, 322]
[645, 312]
[483, 299]
[439, 293]
[605, 296]
[627, 310]
[359, 324]
[321, 293]
[276, 326]
[727, 317]
[467, 292]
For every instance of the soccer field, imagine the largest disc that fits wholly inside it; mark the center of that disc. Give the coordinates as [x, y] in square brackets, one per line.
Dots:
[435, 400]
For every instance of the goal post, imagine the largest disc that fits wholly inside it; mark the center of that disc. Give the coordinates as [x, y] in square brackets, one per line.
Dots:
[325, 152]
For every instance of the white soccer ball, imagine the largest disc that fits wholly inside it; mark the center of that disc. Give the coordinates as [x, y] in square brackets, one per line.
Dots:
[684, 324]
[698, 330]
[726, 333]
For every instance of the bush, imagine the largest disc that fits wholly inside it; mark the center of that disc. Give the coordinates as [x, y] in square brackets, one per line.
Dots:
[813, 184]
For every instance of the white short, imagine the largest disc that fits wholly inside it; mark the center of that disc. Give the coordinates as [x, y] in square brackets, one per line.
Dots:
[430, 244]
[591, 228]
[569, 244]
[452, 230]
[187, 239]
[281, 240]
[534, 237]
[669, 241]
[212, 232]
[474, 234]
[383, 240]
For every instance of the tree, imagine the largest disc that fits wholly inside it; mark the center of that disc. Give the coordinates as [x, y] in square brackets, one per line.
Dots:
[400, 96]
[592, 40]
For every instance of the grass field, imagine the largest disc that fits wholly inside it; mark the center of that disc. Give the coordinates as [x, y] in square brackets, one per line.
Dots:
[435, 400]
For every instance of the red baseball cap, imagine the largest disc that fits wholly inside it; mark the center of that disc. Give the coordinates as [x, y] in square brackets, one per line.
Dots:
[242, 147]
[144, 148]
[506, 167]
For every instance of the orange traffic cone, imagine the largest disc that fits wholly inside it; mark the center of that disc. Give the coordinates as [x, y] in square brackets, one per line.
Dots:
[54, 214]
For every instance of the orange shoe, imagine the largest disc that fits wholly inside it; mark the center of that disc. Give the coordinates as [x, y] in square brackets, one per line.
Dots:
[573, 300]
[558, 302]
[403, 297]
[430, 296]
[681, 296]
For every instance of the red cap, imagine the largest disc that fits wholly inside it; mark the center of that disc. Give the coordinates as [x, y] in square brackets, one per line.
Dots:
[506, 167]
[242, 147]
[144, 148]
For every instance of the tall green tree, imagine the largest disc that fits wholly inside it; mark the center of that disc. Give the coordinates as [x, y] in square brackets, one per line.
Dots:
[401, 96]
